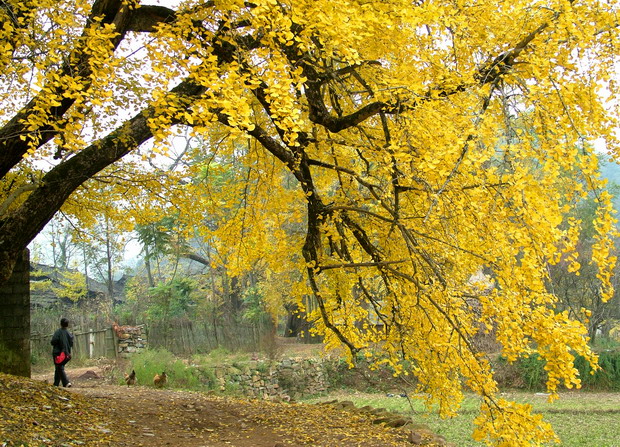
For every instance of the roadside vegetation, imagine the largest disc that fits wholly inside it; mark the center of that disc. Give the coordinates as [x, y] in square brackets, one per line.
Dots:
[580, 419]
[584, 418]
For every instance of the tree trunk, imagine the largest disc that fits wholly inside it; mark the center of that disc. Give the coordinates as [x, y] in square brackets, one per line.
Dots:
[85, 269]
[295, 322]
[108, 247]
[147, 264]
[236, 301]
[15, 319]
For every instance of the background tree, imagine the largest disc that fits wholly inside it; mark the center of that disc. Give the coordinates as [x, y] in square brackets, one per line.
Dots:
[574, 279]
[60, 245]
[386, 115]
[55, 245]
[156, 240]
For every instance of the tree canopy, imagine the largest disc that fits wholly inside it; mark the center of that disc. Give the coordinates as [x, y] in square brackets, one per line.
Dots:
[430, 150]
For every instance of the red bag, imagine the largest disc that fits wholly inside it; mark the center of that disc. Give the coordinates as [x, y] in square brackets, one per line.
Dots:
[60, 358]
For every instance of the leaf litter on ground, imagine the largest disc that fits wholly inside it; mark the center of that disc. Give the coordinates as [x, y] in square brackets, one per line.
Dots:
[34, 413]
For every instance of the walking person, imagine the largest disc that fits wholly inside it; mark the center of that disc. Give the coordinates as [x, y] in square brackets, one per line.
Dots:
[62, 341]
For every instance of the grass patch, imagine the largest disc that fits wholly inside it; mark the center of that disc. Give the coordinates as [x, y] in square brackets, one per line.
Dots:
[580, 419]
[150, 362]
[197, 373]
[220, 356]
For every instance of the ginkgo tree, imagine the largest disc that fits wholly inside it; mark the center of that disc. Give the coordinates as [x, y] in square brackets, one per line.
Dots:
[379, 125]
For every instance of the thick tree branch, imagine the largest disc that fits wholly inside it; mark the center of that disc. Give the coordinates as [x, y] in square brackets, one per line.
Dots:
[352, 265]
[15, 136]
[146, 18]
[15, 194]
[319, 113]
[23, 224]
[197, 258]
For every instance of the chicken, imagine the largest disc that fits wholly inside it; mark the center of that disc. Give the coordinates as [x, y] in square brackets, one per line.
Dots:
[160, 379]
[130, 379]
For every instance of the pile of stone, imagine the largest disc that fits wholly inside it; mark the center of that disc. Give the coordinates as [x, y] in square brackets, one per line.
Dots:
[283, 380]
[302, 376]
[417, 434]
[131, 339]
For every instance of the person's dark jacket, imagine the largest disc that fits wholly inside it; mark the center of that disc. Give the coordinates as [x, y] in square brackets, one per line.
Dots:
[62, 341]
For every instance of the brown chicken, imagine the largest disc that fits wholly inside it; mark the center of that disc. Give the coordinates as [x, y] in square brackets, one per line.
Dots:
[130, 379]
[160, 379]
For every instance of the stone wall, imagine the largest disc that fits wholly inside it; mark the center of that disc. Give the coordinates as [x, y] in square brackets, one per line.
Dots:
[15, 320]
[131, 339]
[282, 380]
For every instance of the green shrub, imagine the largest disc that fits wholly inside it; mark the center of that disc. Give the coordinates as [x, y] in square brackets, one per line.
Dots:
[219, 354]
[35, 358]
[150, 362]
[208, 378]
[532, 370]
[261, 367]
[335, 371]
[607, 378]
[232, 389]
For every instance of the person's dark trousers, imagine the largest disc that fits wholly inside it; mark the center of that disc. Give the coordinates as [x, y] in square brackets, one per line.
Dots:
[60, 375]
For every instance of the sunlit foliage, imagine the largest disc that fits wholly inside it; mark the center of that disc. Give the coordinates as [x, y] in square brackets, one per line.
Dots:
[418, 144]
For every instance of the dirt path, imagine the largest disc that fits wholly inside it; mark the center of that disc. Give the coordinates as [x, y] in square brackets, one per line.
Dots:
[178, 418]
[144, 416]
